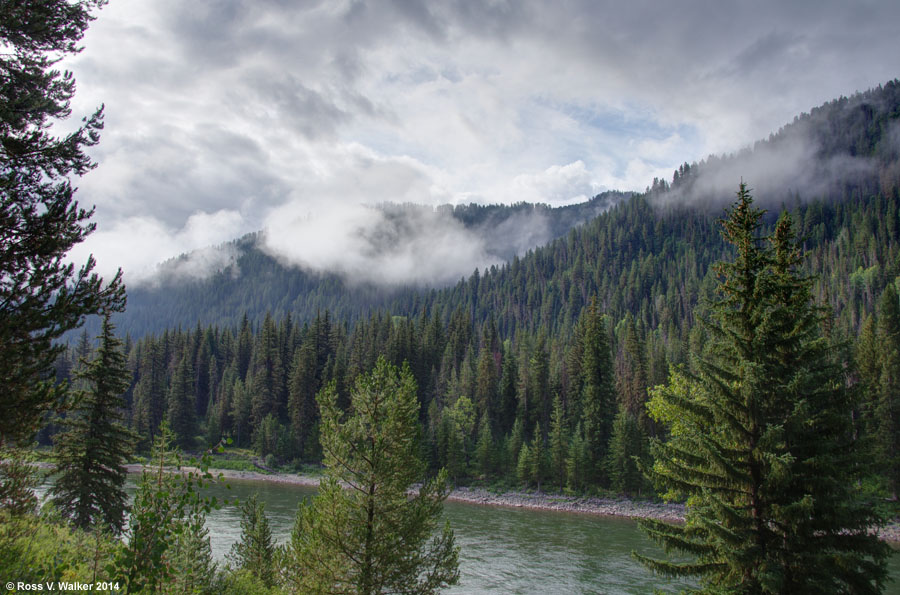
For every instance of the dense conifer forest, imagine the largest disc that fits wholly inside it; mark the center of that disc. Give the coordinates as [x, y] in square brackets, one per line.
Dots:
[691, 342]
[547, 358]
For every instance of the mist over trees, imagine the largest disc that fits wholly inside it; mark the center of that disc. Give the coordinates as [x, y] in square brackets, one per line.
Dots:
[531, 374]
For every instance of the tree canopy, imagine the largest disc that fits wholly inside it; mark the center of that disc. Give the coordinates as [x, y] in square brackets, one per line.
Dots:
[762, 442]
[41, 296]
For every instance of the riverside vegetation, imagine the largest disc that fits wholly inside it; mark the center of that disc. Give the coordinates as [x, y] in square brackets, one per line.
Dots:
[776, 372]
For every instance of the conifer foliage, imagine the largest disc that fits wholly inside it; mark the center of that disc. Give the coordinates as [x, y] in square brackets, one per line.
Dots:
[255, 552]
[41, 296]
[92, 451]
[761, 439]
[363, 533]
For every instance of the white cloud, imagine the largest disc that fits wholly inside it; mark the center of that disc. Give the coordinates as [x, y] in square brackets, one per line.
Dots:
[557, 185]
[366, 244]
[247, 107]
[138, 244]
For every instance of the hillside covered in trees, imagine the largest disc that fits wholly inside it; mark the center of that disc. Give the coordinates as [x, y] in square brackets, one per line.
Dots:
[256, 279]
[514, 363]
[728, 339]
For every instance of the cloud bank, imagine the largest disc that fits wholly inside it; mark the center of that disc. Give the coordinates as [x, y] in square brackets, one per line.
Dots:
[226, 116]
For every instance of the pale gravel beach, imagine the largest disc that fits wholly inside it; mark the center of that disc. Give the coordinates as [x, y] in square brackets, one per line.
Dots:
[618, 507]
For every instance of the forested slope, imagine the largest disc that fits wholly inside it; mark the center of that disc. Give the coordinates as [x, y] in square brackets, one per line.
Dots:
[258, 281]
[538, 370]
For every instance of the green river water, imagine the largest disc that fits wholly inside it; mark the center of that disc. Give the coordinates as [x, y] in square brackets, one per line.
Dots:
[502, 550]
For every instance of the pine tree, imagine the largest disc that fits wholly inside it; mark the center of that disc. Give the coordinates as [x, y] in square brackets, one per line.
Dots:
[486, 384]
[761, 438]
[577, 461]
[41, 295]
[302, 409]
[181, 409]
[507, 396]
[515, 440]
[887, 389]
[149, 405]
[92, 451]
[559, 443]
[363, 533]
[255, 552]
[525, 465]
[598, 393]
[484, 448]
[266, 368]
[168, 545]
[538, 458]
[626, 447]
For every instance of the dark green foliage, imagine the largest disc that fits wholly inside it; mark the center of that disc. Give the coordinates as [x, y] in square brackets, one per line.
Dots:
[255, 552]
[598, 397]
[95, 445]
[149, 404]
[644, 264]
[538, 458]
[167, 542]
[761, 438]
[225, 297]
[577, 462]
[363, 533]
[18, 478]
[484, 448]
[627, 448]
[559, 443]
[181, 413]
[886, 389]
[41, 296]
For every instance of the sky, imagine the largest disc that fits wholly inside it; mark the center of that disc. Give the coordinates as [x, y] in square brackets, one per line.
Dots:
[225, 117]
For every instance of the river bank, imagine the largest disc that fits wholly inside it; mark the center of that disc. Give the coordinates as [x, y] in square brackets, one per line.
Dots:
[618, 507]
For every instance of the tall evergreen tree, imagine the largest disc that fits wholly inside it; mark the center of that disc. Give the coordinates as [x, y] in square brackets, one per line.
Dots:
[484, 448]
[181, 413]
[761, 438]
[559, 443]
[302, 409]
[149, 403]
[92, 451]
[255, 552]
[363, 533]
[267, 370]
[626, 448]
[41, 295]
[886, 389]
[598, 400]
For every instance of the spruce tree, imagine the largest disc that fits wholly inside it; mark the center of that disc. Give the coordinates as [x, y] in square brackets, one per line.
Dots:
[92, 450]
[363, 533]
[626, 448]
[598, 393]
[761, 439]
[886, 389]
[559, 443]
[181, 414]
[255, 552]
[484, 448]
[168, 548]
[41, 295]
[538, 457]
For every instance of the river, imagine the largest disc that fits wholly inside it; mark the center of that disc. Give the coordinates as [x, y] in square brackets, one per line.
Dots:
[502, 550]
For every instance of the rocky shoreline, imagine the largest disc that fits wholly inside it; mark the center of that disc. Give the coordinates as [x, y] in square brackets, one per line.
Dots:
[618, 507]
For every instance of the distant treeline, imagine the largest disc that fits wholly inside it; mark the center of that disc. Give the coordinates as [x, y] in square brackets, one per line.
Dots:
[551, 355]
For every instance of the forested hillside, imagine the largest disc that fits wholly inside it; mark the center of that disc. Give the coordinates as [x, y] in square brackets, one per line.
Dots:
[537, 370]
[258, 281]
